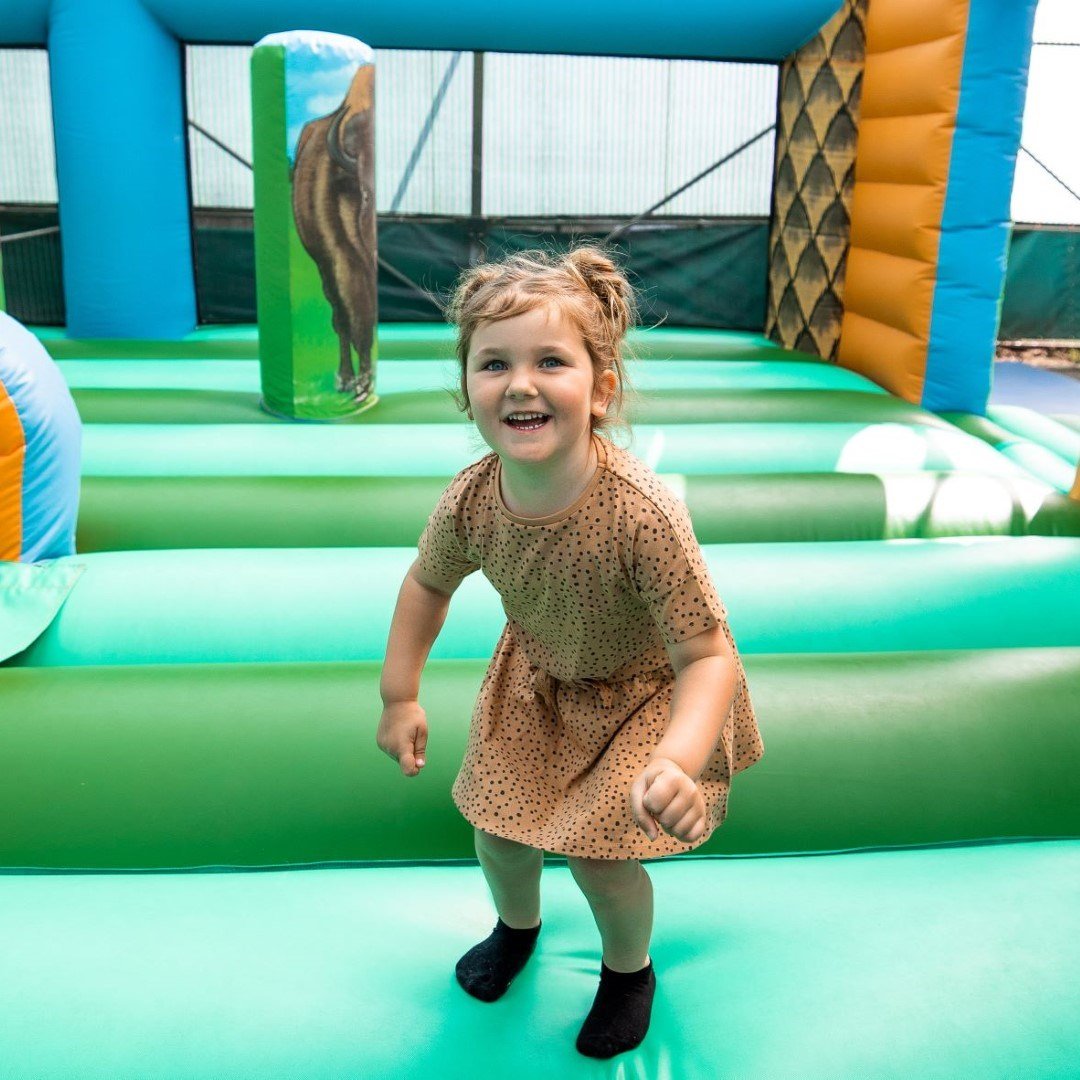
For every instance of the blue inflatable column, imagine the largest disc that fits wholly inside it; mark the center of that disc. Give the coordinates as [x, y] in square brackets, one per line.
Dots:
[976, 223]
[121, 169]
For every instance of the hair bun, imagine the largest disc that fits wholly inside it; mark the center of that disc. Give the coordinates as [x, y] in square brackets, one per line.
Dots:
[606, 282]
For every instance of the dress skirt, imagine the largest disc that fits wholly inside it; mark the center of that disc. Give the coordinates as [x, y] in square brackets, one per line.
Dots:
[550, 763]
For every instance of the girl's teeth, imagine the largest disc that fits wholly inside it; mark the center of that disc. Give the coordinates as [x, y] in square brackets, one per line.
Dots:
[527, 425]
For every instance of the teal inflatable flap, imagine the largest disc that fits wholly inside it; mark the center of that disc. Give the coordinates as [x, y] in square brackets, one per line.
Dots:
[31, 594]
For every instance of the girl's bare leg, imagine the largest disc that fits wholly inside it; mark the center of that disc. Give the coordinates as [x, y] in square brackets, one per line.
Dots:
[513, 876]
[620, 893]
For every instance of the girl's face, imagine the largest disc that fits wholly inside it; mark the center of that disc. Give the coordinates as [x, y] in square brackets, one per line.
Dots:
[531, 388]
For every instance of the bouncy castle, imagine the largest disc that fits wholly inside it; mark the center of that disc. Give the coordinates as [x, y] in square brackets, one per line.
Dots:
[209, 868]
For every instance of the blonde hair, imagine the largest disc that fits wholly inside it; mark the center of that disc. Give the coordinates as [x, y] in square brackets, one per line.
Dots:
[584, 283]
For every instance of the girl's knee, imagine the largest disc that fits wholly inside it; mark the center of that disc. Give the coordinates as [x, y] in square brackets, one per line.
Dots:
[605, 877]
[501, 847]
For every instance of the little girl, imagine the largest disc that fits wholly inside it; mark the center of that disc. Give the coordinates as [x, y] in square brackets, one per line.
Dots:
[615, 709]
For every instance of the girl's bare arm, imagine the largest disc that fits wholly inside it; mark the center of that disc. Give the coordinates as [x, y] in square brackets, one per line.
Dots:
[705, 686]
[418, 618]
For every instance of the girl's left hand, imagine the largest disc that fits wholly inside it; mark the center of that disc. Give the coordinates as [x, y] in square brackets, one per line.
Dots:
[663, 796]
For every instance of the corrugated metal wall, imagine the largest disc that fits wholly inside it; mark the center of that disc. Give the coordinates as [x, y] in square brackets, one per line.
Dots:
[617, 135]
[562, 135]
[27, 157]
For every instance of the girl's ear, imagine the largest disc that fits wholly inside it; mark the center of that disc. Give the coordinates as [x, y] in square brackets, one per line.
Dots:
[606, 385]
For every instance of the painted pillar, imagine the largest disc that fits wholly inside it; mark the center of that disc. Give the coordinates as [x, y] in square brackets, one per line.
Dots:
[316, 266]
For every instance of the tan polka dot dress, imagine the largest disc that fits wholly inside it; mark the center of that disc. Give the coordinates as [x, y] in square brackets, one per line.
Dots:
[578, 692]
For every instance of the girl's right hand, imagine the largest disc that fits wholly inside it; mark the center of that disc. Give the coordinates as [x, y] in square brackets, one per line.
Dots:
[403, 735]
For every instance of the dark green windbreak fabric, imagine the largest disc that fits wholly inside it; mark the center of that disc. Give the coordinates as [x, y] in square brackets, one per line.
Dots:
[709, 273]
[699, 273]
[712, 274]
[32, 268]
[694, 273]
[1042, 284]
[225, 268]
[691, 272]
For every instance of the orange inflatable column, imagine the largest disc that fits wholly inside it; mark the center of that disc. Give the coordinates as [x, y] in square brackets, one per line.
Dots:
[910, 93]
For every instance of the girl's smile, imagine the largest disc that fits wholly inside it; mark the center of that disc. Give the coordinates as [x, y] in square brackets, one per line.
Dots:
[524, 422]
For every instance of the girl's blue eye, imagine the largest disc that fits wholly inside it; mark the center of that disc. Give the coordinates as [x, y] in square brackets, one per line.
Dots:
[487, 366]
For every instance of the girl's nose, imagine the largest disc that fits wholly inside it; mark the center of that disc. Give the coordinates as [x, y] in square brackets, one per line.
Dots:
[520, 386]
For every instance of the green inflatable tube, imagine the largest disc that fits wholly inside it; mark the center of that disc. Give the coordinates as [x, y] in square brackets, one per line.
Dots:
[139, 512]
[1035, 458]
[409, 341]
[1062, 440]
[443, 449]
[276, 764]
[402, 376]
[663, 405]
[243, 606]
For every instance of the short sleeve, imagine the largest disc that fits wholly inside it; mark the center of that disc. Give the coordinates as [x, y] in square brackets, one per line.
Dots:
[670, 575]
[443, 545]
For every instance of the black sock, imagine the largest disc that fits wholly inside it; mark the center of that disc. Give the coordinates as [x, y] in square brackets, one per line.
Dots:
[487, 970]
[620, 1014]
